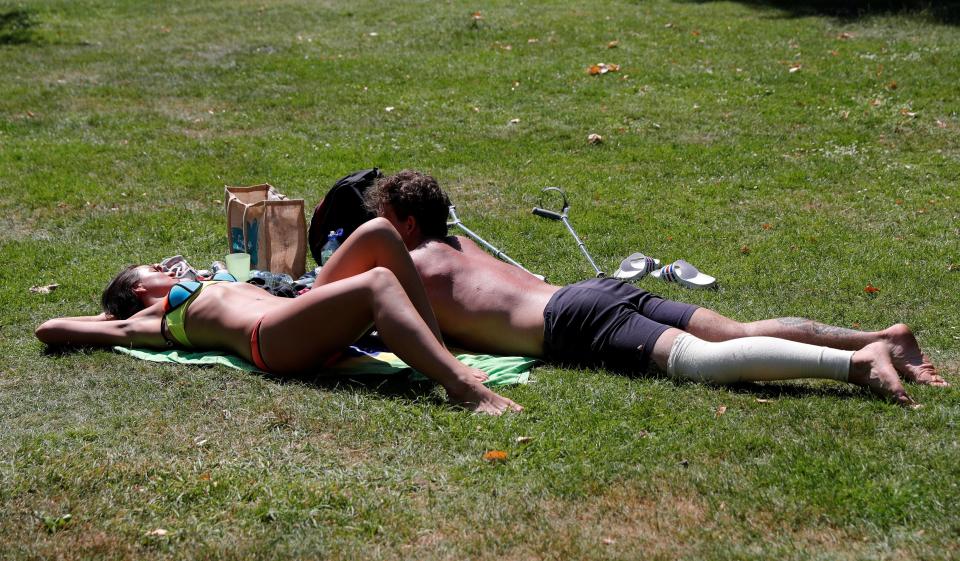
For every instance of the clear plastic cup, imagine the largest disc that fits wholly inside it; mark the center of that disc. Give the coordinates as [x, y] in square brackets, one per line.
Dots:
[239, 265]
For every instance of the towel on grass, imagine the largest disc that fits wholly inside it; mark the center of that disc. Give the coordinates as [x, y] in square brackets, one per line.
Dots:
[356, 361]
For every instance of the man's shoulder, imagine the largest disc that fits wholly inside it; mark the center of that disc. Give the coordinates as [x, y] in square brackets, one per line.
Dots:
[436, 254]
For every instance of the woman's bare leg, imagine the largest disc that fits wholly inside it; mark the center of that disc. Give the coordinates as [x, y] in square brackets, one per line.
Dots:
[376, 243]
[332, 316]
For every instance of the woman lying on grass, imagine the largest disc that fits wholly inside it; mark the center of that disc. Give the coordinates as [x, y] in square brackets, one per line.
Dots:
[370, 280]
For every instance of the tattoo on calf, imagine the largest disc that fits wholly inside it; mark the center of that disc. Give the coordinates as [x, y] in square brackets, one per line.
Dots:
[816, 328]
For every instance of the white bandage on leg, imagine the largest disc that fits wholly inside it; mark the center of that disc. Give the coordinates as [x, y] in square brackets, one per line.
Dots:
[754, 359]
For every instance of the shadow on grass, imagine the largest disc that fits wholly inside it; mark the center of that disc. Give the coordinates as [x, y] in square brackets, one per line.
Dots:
[946, 11]
[17, 27]
[391, 386]
[774, 390]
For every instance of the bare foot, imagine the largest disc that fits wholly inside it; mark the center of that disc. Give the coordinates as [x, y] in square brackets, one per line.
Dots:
[872, 368]
[479, 375]
[912, 364]
[477, 398]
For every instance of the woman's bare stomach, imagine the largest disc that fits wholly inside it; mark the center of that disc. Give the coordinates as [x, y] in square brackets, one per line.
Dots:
[224, 315]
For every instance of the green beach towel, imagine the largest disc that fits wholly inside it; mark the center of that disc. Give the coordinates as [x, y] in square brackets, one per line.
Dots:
[356, 361]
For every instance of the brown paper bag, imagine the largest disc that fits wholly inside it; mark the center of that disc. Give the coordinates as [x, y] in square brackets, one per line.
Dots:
[268, 226]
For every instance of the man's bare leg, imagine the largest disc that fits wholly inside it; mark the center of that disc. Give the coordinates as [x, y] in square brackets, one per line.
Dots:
[905, 352]
[761, 359]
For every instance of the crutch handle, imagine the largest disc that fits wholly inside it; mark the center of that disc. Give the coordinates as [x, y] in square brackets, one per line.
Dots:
[546, 213]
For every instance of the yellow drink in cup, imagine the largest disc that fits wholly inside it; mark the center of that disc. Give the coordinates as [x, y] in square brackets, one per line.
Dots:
[239, 265]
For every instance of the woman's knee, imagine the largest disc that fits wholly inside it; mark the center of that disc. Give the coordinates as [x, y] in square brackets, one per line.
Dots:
[378, 226]
[381, 280]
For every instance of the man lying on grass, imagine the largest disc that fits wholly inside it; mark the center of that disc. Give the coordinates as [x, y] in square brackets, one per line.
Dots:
[369, 281]
[489, 306]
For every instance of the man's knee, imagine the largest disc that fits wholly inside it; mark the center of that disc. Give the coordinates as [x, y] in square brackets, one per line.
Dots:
[711, 326]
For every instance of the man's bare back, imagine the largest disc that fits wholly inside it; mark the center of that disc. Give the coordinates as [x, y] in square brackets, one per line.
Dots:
[482, 303]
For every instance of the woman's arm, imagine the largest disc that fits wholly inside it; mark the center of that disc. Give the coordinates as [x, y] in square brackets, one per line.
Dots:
[100, 331]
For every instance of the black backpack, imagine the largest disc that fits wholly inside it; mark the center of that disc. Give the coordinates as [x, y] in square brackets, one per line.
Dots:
[341, 207]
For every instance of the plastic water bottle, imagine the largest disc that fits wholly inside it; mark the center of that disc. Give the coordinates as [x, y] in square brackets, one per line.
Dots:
[333, 242]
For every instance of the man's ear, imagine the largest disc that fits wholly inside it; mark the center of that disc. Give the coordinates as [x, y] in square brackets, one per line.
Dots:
[410, 224]
[139, 289]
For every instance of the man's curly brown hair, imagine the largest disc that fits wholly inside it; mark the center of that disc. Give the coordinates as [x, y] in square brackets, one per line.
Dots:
[411, 193]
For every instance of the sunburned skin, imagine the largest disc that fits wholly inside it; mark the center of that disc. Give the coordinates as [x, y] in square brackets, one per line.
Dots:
[481, 302]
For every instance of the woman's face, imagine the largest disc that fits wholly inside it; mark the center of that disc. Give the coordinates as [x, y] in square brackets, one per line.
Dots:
[155, 281]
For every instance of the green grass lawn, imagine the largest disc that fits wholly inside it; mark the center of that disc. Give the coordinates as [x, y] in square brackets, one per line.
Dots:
[795, 156]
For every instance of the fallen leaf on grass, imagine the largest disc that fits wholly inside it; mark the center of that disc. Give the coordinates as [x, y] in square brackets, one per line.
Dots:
[907, 113]
[613, 44]
[389, 109]
[745, 250]
[766, 226]
[524, 439]
[721, 409]
[795, 67]
[603, 68]
[495, 456]
[845, 36]
[892, 85]
[44, 289]
[514, 121]
[609, 541]
[477, 16]
[159, 532]
[876, 102]
[761, 400]
[953, 267]
[941, 124]
[870, 289]
[594, 138]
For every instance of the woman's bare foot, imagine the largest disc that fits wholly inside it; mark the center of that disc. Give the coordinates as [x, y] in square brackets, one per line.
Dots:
[479, 375]
[905, 353]
[477, 398]
[871, 367]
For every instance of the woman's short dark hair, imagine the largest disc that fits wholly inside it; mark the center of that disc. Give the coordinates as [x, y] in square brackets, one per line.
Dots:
[118, 299]
[411, 193]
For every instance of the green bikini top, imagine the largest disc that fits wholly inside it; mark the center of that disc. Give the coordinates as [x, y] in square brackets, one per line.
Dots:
[176, 304]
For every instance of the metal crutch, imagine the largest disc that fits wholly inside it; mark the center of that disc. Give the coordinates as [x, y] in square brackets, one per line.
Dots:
[562, 216]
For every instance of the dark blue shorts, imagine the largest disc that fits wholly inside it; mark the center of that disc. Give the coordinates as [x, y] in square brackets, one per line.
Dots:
[608, 323]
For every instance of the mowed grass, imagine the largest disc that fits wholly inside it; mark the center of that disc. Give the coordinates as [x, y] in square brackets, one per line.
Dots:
[798, 158]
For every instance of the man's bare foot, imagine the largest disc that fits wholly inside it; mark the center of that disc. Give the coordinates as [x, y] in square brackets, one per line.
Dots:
[477, 398]
[871, 367]
[912, 364]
